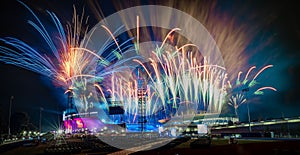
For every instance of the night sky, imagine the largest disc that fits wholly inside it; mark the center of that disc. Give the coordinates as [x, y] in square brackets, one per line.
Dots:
[32, 91]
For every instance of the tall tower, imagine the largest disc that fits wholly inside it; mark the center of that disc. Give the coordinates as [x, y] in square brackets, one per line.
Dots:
[71, 109]
[141, 99]
[68, 114]
[70, 104]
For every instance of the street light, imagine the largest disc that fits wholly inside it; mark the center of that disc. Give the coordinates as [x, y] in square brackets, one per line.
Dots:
[249, 119]
[9, 113]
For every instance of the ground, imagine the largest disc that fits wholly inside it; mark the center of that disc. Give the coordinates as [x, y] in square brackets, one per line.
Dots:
[244, 146]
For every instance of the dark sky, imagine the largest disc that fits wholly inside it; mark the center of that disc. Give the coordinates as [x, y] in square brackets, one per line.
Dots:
[32, 91]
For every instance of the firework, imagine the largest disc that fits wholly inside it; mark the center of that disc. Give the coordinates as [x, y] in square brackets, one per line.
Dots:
[174, 79]
[236, 93]
[67, 62]
[179, 81]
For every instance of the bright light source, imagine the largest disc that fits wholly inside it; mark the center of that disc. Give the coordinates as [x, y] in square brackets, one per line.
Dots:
[60, 131]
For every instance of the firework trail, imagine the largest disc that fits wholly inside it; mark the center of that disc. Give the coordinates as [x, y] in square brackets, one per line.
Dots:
[182, 86]
[182, 75]
[232, 34]
[67, 62]
[174, 78]
[237, 92]
[180, 81]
